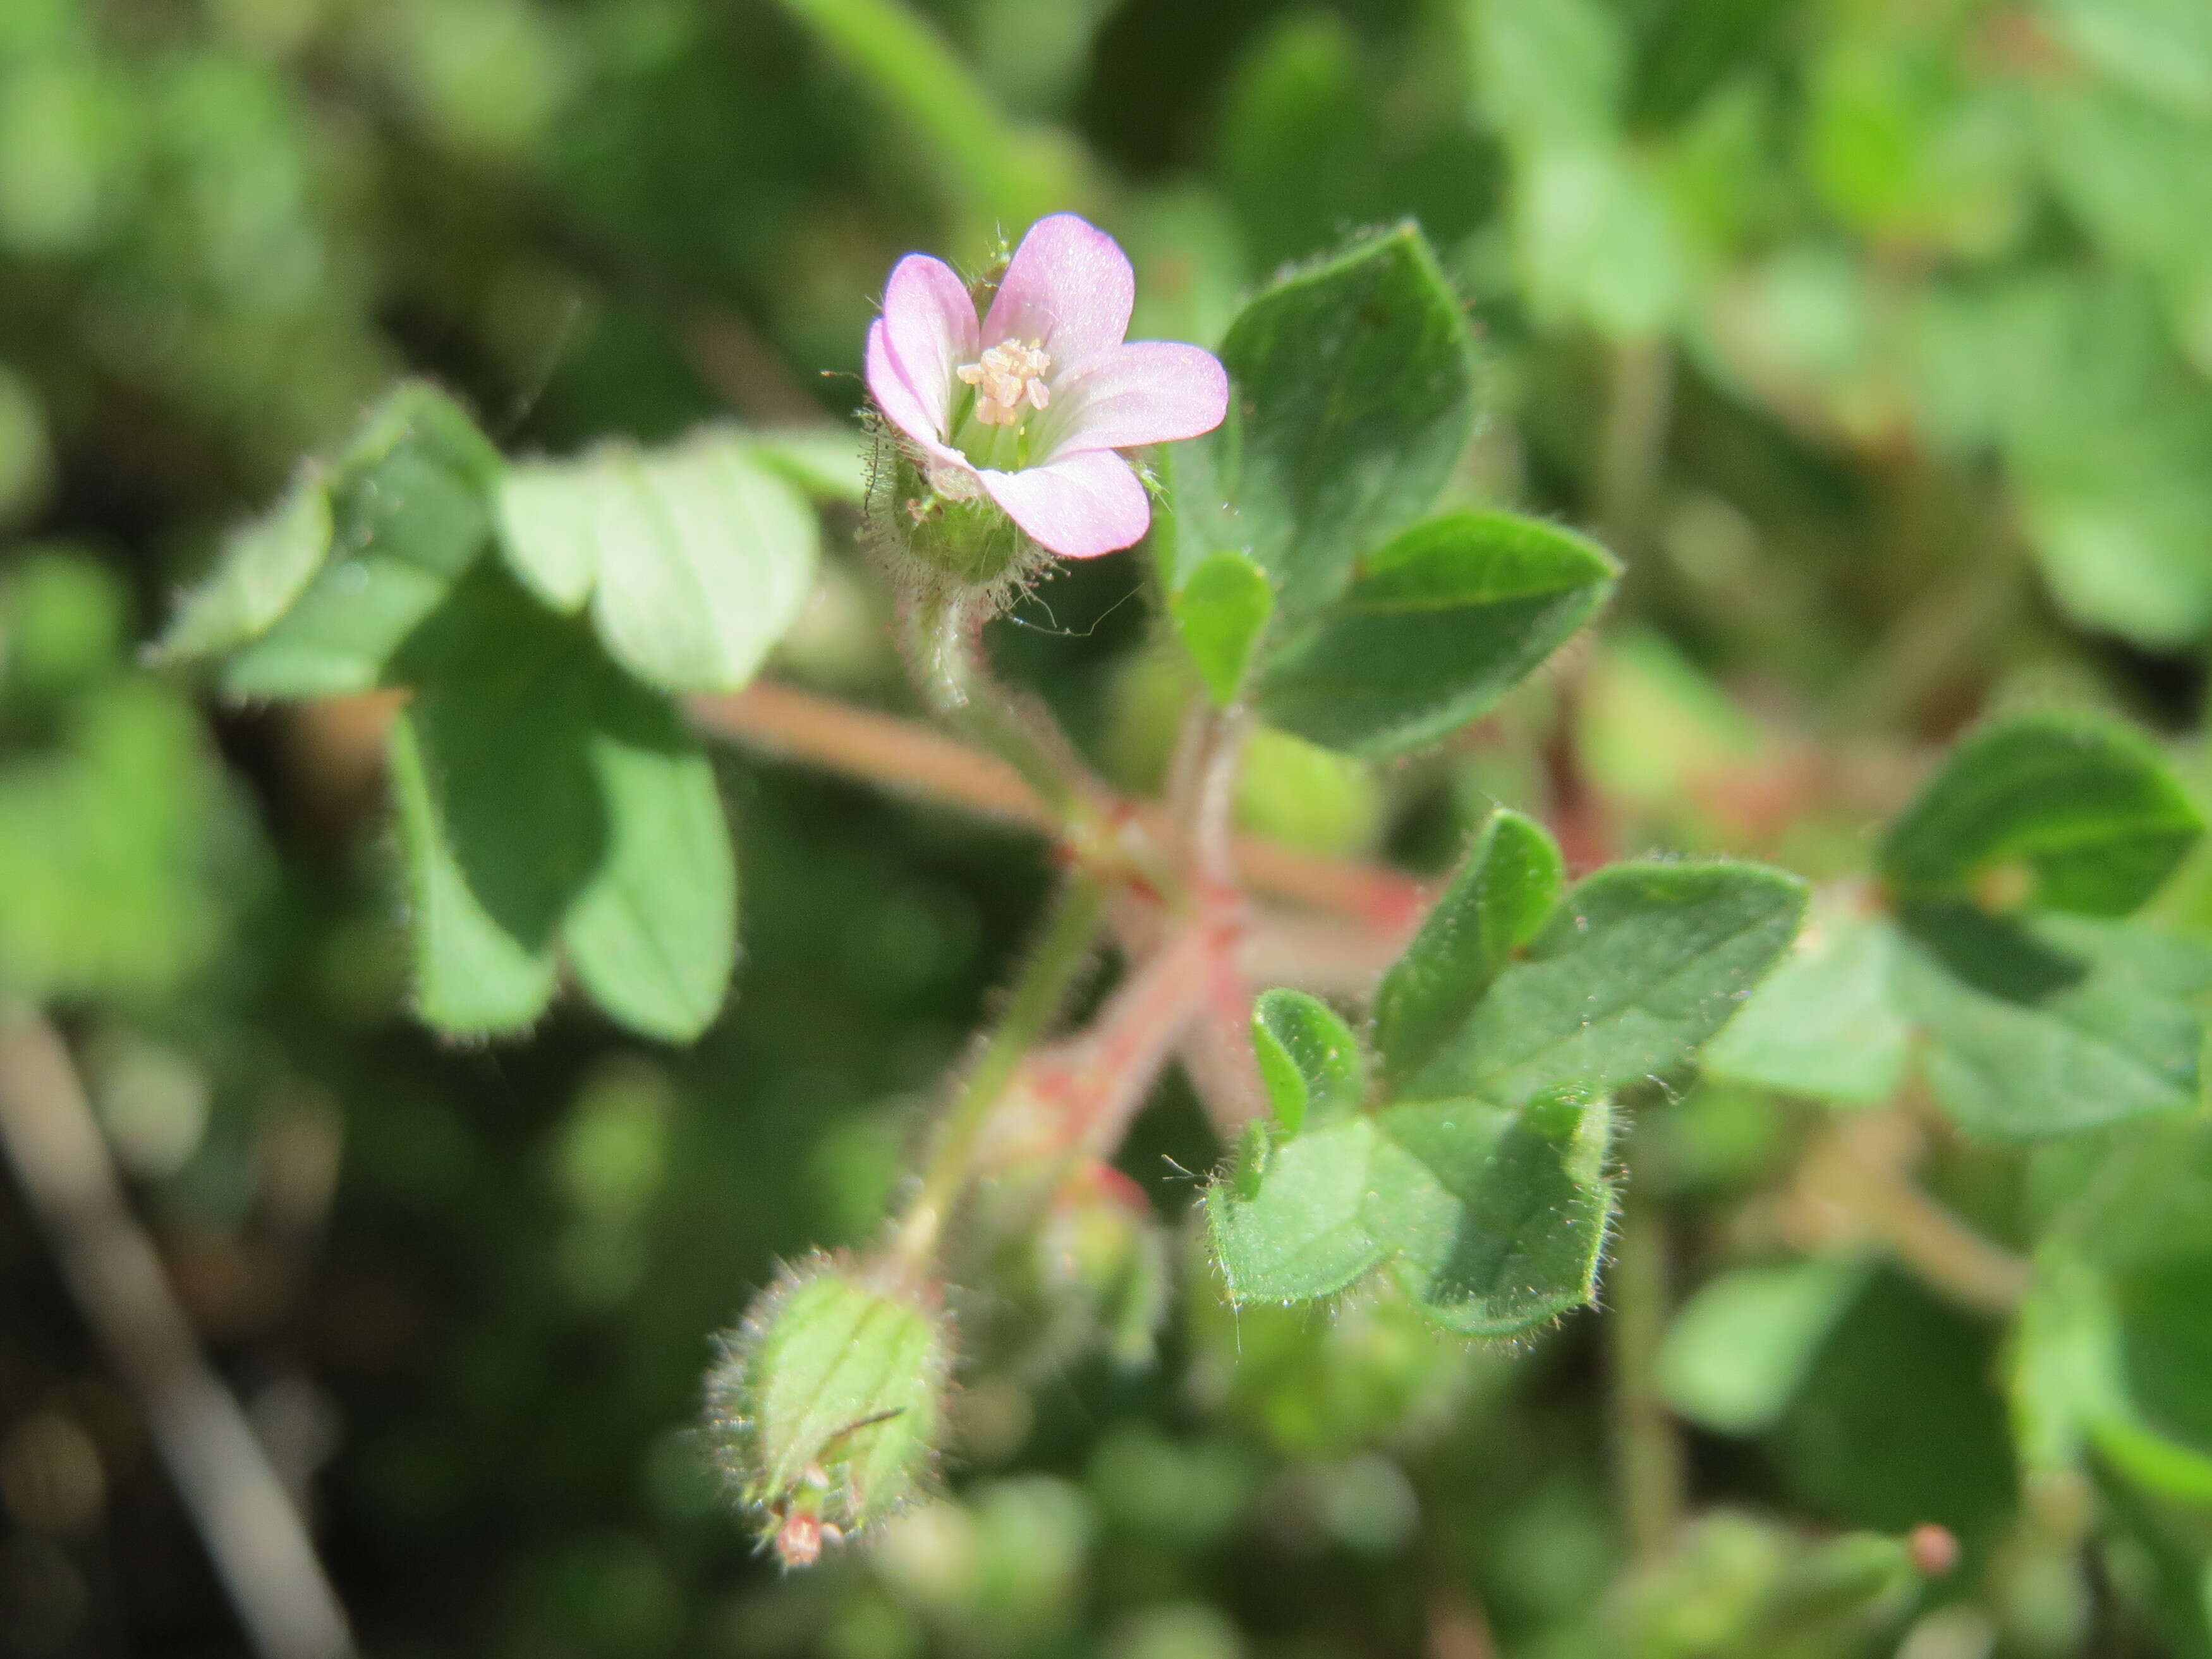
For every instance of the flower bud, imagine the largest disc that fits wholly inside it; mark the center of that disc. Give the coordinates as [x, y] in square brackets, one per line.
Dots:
[828, 1406]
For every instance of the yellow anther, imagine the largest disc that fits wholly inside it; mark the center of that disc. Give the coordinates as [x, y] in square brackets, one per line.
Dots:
[1008, 375]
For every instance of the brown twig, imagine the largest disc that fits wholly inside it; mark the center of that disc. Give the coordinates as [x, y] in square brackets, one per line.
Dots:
[254, 1535]
[911, 758]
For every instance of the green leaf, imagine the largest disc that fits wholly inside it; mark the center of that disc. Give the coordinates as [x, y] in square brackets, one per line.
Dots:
[545, 511]
[653, 933]
[409, 512]
[695, 558]
[1494, 1216]
[473, 976]
[1825, 1023]
[265, 565]
[1635, 970]
[829, 462]
[1352, 395]
[2086, 805]
[1436, 626]
[1308, 1060]
[549, 803]
[1222, 610]
[1505, 888]
[1735, 1354]
[2046, 1026]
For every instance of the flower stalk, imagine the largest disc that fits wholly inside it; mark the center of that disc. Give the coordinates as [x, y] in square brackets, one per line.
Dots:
[1034, 1001]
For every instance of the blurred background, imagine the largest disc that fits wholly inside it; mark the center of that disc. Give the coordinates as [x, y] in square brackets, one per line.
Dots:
[1877, 335]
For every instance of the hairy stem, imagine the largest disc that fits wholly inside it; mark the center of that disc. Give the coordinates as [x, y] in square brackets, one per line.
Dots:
[1033, 1002]
[254, 1535]
[1648, 1456]
[941, 633]
[910, 758]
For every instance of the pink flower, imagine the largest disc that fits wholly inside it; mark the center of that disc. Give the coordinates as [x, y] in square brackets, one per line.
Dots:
[1030, 406]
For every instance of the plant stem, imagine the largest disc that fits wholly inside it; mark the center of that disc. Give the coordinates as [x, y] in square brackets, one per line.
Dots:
[904, 756]
[1648, 1457]
[942, 635]
[1634, 445]
[253, 1533]
[1036, 997]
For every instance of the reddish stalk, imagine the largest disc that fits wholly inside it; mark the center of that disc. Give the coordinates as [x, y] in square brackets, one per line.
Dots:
[910, 758]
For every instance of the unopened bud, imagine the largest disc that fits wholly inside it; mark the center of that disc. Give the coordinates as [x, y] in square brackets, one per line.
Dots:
[828, 1406]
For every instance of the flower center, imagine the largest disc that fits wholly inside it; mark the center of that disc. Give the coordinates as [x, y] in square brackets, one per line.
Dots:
[1008, 376]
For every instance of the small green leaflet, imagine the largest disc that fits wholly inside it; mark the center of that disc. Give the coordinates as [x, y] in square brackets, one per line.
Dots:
[1641, 965]
[1504, 892]
[409, 506]
[265, 567]
[695, 560]
[1481, 1182]
[1492, 1217]
[1825, 1023]
[2086, 805]
[1308, 1060]
[551, 807]
[2052, 1024]
[1222, 610]
[1434, 628]
[1352, 395]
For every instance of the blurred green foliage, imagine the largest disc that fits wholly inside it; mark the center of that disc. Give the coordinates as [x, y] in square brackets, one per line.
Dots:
[1877, 335]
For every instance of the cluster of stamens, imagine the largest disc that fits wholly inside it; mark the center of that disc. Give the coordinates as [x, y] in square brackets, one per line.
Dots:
[1009, 375]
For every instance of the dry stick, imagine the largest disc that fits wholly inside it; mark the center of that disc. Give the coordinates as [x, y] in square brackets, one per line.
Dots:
[905, 755]
[254, 1533]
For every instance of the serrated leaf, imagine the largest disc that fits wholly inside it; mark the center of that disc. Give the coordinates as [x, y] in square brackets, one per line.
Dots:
[1504, 889]
[1352, 395]
[409, 512]
[265, 566]
[1493, 1217]
[2087, 805]
[2053, 1024]
[1434, 628]
[1825, 1023]
[1641, 965]
[703, 558]
[1221, 611]
[1308, 1059]
[652, 934]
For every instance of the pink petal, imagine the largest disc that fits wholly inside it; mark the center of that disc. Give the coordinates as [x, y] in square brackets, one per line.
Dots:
[899, 401]
[1148, 391]
[1069, 287]
[1079, 506]
[929, 331]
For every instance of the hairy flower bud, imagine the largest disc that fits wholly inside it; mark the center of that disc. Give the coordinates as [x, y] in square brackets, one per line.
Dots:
[826, 1407]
